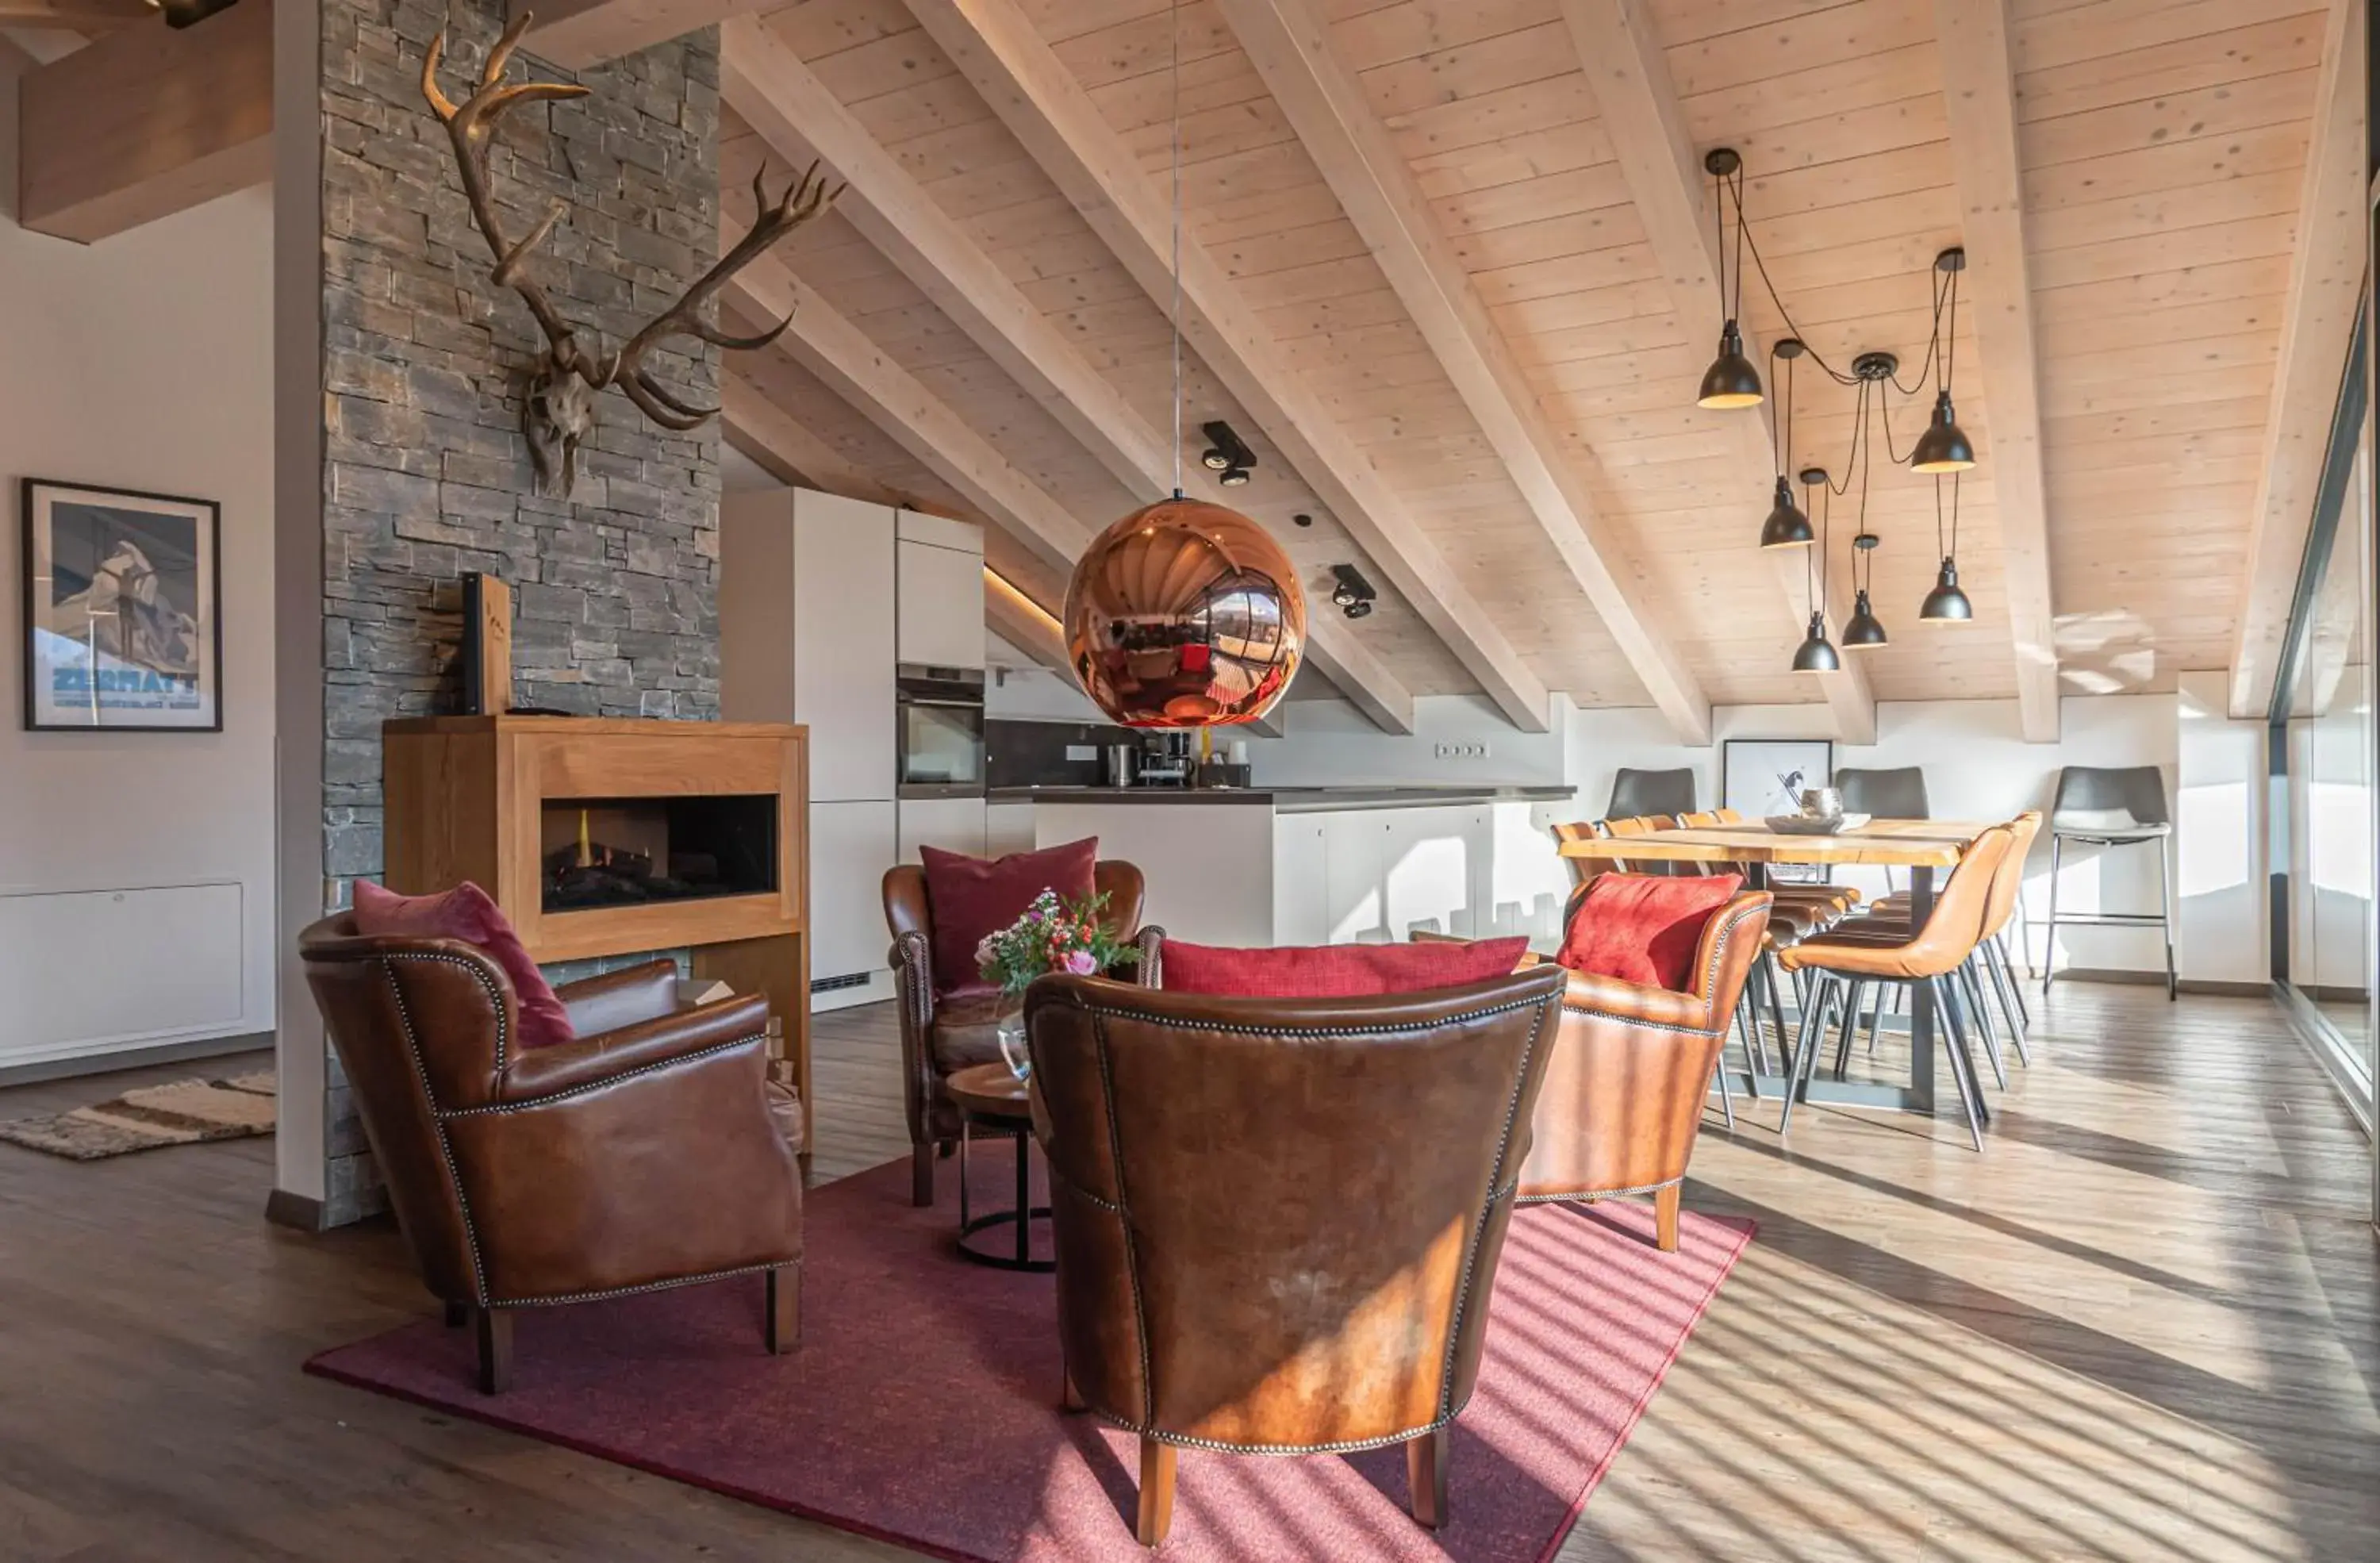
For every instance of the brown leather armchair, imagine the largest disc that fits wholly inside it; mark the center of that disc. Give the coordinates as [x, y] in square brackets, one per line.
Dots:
[1278, 1221]
[1631, 1071]
[942, 1034]
[638, 1156]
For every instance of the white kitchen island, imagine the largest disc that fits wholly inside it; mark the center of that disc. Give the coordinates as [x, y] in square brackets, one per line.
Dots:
[1325, 865]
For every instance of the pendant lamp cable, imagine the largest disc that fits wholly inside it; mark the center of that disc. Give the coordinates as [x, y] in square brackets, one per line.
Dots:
[1947, 544]
[1174, 32]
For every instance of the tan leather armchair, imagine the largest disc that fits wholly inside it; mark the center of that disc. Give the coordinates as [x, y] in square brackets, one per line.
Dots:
[942, 1034]
[1631, 1071]
[1278, 1221]
[639, 1156]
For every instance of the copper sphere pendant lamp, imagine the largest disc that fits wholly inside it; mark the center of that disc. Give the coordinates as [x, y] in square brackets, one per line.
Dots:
[1183, 613]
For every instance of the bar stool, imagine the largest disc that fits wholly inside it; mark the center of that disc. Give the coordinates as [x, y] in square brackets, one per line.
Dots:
[2111, 806]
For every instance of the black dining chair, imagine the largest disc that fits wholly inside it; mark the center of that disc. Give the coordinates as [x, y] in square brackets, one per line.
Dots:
[1896, 794]
[1638, 792]
[2111, 806]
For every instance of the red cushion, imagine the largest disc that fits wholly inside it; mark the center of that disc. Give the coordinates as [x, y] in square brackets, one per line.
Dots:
[1644, 927]
[469, 913]
[1336, 970]
[969, 897]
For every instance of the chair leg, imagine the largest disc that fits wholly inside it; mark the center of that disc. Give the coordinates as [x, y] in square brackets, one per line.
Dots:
[1804, 1055]
[1069, 1398]
[1156, 1492]
[1426, 1476]
[1961, 1067]
[1970, 997]
[2050, 936]
[2008, 968]
[1776, 988]
[1665, 1217]
[921, 1174]
[784, 1325]
[2164, 915]
[1849, 1027]
[1726, 1092]
[495, 1343]
[2004, 989]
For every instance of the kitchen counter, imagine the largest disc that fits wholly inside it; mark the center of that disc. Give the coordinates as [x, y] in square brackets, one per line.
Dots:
[1282, 800]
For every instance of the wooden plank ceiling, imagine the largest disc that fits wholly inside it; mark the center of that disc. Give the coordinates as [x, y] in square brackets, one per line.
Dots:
[2160, 149]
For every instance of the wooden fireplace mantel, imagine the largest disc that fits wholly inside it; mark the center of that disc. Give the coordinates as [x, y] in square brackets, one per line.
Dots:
[465, 799]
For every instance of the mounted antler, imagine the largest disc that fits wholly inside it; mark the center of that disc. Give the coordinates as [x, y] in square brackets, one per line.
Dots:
[560, 406]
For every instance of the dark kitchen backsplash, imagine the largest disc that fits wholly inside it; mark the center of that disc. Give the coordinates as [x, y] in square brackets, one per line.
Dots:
[1033, 754]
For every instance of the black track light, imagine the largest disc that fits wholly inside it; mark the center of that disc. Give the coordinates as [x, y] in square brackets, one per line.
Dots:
[1234, 477]
[1731, 381]
[1357, 609]
[1352, 594]
[1787, 526]
[1816, 654]
[1862, 631]
[1215, 459]
[1944, 447]
[1226, 455]
[1946, 604]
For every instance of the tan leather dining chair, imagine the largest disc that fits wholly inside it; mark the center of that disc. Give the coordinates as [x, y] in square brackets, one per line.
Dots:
[1987, 970]
[1843, 967]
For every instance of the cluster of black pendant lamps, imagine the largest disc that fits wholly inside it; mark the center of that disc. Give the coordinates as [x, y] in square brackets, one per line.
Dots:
[1943, 450]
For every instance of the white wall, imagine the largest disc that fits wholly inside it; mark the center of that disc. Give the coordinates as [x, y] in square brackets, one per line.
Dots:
[145, 362]
[2219, 830]
[1331, 743]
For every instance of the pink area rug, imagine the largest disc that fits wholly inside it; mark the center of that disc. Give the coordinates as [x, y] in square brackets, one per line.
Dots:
[922, 1405]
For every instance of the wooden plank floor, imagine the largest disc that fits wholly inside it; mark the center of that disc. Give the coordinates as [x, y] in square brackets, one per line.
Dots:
[2144, 1326]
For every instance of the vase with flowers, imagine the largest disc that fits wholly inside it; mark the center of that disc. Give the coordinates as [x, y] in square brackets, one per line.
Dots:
[1052, 936]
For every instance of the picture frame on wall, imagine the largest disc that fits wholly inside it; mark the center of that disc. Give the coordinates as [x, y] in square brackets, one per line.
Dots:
[1754, 780]
[123, 610]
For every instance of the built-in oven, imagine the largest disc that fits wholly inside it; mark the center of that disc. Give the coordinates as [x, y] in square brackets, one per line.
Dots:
[940, 732]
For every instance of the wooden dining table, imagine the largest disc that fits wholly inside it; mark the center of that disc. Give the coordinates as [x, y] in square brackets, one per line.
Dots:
[1921, 846]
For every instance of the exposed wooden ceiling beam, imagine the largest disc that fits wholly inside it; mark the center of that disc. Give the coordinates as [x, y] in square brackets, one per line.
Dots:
[1034, 93]
[1288, 42]
[146, 122]
[1979, 86]
[791, 110]
[2326, 279]
[829, 347]
[79, 16]
[579, 33]
[764, 431]
[1646, 127]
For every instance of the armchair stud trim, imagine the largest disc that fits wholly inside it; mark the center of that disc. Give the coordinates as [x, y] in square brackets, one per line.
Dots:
[1496, 1190]
[529, 1104]
[437, 1113]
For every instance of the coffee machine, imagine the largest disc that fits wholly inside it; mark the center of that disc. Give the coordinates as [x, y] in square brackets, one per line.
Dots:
[1166, 760]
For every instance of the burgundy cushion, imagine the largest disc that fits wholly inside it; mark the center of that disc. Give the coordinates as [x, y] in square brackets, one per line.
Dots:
[969, 897]
[1644, 927]
[469, 914]
[1335, 971]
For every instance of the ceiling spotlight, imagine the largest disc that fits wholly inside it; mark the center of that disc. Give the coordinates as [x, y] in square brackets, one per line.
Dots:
[1816, 654]
[1353, 594]
[1226, 454]
[1946, 604]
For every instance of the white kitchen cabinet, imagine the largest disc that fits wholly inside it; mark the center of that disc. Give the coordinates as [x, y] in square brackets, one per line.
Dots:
[1355, 854]
[806, 611]
[843, 651]
[940, 586]
[1007, 827]
[851, 846]
[1301, 894]
[952, 824]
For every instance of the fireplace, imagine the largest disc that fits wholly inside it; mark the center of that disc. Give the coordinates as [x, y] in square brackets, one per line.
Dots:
[627, 852]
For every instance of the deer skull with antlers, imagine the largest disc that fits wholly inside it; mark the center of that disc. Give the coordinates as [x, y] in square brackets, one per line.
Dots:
[559, 409]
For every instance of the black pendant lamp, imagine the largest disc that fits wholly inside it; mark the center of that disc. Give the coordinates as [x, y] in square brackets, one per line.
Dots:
[1816, 653]
[1788, 524]
[1946, 604]
[1731, 381]
[1864, 631]
[1944, 447]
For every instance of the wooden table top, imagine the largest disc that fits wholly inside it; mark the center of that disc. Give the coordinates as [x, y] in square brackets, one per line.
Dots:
[990, 1090]
[1907, 844]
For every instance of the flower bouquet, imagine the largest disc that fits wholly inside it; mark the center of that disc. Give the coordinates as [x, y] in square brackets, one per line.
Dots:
[1052, 936]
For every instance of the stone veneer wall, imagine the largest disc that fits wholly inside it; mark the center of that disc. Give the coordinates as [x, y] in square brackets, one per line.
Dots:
[426, 474]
